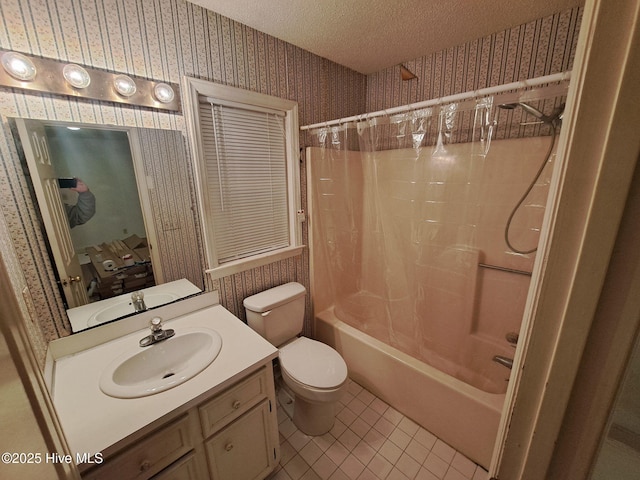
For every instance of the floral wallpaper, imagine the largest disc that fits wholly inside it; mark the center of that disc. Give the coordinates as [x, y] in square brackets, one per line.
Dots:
[161, 40]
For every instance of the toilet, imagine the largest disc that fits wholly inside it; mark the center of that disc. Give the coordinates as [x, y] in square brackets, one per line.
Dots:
[313, 371]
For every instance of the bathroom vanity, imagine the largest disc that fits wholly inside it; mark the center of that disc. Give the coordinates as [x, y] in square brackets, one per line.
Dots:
[219, 424]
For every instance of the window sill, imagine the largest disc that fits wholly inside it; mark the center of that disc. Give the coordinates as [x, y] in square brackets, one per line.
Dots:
[256, 261]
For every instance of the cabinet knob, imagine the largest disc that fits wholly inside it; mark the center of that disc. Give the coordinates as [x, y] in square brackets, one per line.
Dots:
[144, 466]
[236, 404]
[228, 447]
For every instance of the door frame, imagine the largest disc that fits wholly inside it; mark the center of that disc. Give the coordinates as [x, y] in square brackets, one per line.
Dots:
[13, 322]
[144, 185]
[42, 172]
[598, 152]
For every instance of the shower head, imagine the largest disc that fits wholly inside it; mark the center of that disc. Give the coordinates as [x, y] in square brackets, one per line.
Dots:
[556, 115]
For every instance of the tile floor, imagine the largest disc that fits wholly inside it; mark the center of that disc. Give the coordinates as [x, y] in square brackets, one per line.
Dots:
[369, 441]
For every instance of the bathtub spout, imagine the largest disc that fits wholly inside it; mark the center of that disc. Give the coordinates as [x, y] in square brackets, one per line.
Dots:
[504, 361]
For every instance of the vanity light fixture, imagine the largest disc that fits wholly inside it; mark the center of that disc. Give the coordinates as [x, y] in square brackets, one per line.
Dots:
[76, 76]
[163, 93]
[19, 66]
[124, 85]
[61, 77]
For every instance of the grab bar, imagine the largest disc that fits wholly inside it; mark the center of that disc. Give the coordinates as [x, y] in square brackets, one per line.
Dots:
[504, 269]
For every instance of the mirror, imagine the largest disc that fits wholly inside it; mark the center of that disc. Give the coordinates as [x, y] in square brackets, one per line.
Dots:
[142, 232]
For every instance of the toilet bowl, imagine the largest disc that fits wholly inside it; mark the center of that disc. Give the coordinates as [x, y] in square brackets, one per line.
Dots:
[314, 372]
[317, 375]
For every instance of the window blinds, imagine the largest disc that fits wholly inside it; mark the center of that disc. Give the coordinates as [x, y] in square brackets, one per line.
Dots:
[246, 179]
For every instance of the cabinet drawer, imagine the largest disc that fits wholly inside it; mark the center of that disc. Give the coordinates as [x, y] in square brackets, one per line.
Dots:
[148, 456]
[234, 401]
[243, 450]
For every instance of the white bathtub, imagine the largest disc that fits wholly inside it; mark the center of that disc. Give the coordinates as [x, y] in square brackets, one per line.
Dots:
[461, 415]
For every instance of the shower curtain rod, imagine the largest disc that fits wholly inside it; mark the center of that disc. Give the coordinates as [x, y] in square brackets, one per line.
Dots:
[483, 92]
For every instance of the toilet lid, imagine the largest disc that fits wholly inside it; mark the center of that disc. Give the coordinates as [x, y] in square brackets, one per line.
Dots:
[313, 363]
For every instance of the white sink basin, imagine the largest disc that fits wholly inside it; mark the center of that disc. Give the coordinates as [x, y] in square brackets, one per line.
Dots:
[161, 366]
[125, 307]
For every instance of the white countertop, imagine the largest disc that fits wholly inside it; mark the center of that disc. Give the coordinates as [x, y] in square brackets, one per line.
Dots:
[93, 421]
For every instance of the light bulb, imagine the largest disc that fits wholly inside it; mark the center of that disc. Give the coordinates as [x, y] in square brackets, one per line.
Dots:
[163, 93]
[19, 66]
[124, 85]
[77, 76]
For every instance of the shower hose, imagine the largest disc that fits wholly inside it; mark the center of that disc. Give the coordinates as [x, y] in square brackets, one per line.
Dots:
[526, 193]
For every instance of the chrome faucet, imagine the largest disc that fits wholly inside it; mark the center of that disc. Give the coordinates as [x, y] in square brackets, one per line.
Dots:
[504, 361]
[157, 333]
[137, 298]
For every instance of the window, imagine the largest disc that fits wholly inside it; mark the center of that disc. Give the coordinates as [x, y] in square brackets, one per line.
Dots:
[246, 157]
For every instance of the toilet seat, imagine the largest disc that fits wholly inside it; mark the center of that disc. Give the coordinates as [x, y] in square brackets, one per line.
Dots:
[313, 363]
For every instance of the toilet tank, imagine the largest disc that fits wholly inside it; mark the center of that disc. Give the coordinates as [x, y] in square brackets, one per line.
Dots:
[278, 313]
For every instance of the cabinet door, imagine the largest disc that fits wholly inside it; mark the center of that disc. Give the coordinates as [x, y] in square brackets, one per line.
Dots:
[244, 450]
[190, 467]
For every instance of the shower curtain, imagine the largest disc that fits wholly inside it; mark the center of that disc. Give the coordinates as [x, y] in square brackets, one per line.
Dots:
[398, 209]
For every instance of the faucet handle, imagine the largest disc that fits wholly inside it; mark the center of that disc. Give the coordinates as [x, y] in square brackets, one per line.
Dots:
[156, 324]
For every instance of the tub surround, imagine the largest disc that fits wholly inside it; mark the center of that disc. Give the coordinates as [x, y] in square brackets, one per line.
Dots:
[398, 250]
[95, 422]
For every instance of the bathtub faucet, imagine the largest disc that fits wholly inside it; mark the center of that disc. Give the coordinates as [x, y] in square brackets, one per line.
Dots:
[504, 361]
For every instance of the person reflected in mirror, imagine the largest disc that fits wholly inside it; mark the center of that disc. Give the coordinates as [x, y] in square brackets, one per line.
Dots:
[84, 208]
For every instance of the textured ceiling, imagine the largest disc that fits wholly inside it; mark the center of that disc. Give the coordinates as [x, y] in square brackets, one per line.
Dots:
[371, 35]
